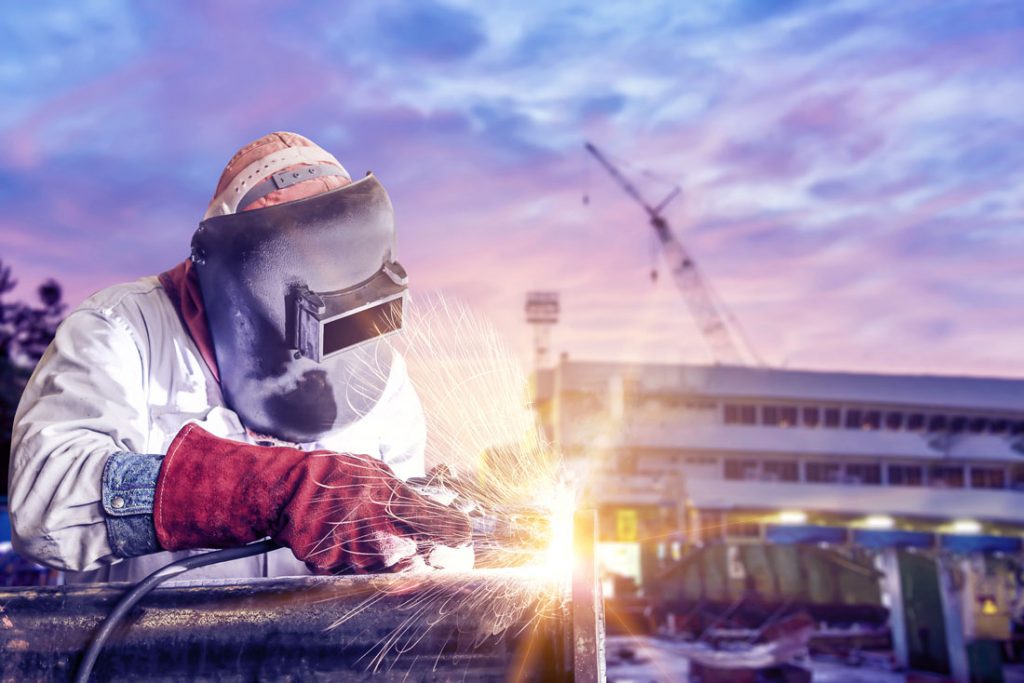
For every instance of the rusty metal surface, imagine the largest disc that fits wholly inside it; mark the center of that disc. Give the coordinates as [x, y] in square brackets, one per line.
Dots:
[482, 625]
[476, 626]
[587, 602]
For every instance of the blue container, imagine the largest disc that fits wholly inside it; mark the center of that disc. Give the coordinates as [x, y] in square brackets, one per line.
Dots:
[892, 538]
[804, 533]
[969, 543]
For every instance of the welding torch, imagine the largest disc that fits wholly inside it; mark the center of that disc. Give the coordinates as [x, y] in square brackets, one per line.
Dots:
[498, 531]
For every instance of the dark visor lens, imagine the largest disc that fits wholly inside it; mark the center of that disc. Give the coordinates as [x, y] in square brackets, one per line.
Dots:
[366, 324]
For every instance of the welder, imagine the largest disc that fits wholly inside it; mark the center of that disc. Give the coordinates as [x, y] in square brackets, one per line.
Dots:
[251, 392]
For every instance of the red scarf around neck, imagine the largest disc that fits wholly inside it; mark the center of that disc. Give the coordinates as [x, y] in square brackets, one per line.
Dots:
[182, 286]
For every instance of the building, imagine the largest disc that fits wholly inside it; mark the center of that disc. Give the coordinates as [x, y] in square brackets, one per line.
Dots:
[741, 475]
[943, 453]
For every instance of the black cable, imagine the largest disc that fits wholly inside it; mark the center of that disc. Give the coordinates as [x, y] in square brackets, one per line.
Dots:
[143, 588]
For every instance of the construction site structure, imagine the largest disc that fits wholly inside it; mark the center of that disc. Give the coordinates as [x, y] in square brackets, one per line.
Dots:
[889, 507]
[542, 310]
[721, 332]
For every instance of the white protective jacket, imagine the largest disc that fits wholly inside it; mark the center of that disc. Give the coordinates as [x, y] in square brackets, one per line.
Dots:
[123, 375]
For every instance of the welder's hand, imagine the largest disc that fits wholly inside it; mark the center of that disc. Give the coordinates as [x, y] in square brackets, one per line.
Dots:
[338, 513]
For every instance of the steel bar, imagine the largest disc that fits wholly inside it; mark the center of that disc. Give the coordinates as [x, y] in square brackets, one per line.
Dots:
[409, 628]
[482, 625]
[587, 602]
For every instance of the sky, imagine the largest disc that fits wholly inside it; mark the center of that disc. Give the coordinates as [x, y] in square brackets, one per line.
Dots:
[851, 172]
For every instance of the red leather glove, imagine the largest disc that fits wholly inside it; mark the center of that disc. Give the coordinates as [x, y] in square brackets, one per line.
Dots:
[338, 513]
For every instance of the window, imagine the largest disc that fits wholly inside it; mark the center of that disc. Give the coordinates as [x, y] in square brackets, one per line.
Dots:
[946, 476]
[712, 525]
[832, 417]
[739, 527]
[1017, 477]
[863, 419]
[822, 472]
[988, 478]
[893, 421]
[738, 414]
[977, 425]
[906, 475]
[787, 416]
[915, 422]
[863, 473]
[778, 416]
[1017, 428]
[937, 423]
[999, 426]
[957, 424]
[741, 470]
[811, 417]
[780, 470]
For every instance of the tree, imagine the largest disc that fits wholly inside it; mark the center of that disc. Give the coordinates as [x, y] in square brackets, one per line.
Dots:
[25, 332]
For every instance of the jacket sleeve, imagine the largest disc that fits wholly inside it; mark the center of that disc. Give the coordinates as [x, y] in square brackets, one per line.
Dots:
[86, 401]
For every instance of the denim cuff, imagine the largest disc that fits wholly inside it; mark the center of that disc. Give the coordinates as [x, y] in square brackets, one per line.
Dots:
[129, 485]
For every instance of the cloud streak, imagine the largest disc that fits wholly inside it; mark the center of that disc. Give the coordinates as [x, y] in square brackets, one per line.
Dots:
[852, 171]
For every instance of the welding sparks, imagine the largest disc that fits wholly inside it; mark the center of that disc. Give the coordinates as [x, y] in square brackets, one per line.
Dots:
[559, 556]
[497, 467]
[480, 425]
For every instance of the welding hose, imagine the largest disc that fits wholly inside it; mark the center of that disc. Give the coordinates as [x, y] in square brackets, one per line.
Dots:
[129, 599]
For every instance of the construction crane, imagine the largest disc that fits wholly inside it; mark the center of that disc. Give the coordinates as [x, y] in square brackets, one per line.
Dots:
[709, 316]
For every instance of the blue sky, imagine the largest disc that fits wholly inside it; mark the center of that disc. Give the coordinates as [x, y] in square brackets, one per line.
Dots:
[852, 171]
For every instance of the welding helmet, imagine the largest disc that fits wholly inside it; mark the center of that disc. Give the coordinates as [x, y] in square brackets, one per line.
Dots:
[299, 297]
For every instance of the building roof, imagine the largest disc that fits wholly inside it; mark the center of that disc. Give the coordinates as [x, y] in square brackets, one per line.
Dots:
[724, 381]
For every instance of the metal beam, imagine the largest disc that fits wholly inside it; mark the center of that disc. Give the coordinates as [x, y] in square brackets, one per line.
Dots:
[471, 625]
[950, 589]
[587, 602]
[490, 624]
[888, 563]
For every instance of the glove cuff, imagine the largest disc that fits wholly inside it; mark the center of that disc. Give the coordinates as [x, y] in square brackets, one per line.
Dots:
[218, 493]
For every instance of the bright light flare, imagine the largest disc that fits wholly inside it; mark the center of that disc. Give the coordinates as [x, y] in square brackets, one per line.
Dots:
[965, 526]
[879, 522]
[559, 555]
[792, 517]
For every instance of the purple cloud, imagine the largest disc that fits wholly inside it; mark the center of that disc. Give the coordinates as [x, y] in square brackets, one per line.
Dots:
[852, 171]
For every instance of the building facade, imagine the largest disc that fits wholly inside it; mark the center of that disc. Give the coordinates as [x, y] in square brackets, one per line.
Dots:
[739, 451]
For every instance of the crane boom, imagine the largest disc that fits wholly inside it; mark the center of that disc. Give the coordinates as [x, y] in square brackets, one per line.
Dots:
[629, 187]
[685, 273]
